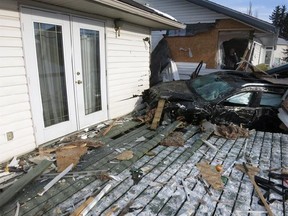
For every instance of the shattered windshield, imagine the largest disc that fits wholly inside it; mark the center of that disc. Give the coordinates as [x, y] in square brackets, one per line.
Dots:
[210, 87]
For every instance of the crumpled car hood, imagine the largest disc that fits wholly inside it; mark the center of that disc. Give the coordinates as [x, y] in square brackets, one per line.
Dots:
[172, 90]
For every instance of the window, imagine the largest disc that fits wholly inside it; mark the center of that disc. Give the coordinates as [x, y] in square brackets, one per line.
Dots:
[241, 99]
[270, 99]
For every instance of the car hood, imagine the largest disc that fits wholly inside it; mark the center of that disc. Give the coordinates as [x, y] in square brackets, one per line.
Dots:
[175, 90]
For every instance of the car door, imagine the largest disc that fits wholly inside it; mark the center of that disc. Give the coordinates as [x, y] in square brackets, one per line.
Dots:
[239, 108]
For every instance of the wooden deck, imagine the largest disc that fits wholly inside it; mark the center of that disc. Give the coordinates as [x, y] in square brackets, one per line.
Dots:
[161, 190]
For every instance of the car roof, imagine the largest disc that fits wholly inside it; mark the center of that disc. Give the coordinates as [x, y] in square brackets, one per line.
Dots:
[241, 78]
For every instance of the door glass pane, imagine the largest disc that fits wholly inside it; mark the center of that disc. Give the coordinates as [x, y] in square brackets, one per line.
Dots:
[50, 59]
[90, 56]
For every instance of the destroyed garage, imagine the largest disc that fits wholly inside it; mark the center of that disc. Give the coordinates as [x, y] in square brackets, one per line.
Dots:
[122, 107]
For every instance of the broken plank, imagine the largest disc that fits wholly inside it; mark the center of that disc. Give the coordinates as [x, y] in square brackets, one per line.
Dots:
[56, 179]
[78, 211]
[158, 114]
[109, 127]
[22, 182]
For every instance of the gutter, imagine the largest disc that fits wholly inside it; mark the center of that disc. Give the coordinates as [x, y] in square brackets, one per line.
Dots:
[148, 14]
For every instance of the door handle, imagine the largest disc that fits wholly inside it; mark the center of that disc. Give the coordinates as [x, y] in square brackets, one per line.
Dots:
[78, 82]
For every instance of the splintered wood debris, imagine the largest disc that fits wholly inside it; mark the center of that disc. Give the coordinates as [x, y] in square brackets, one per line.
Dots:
[231, 131]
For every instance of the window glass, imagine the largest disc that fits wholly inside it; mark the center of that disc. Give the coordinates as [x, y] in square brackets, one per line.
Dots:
[210, 87]
[269, 99]
[240, 99]
[50, 59]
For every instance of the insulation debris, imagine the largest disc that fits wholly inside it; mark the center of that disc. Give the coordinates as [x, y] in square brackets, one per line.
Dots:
[210, 174]
[174, 139]
[69, 154]
[126, 155]
[231, 131]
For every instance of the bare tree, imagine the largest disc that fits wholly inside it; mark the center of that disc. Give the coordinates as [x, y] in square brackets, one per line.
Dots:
[249, 10]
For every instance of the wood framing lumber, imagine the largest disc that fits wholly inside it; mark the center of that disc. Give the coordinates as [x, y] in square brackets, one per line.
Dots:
[96, 200]
[10, 192]
[258, 191]
[109, 128]
[158, 114]
[78, 211]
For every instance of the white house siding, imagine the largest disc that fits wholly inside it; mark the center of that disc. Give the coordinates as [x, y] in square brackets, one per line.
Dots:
[15, 114]
[183, 11]
[279, 54]
[127, 67]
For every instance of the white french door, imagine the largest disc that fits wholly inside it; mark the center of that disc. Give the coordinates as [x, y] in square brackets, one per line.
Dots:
[88, 40]
[65, 61]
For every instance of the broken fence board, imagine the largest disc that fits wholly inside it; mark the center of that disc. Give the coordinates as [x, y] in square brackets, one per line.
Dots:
[23, 181]
[158, 114]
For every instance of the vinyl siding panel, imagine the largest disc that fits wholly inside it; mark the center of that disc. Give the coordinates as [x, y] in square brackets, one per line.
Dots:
[15, 113]
[184, 11]
[127, 67]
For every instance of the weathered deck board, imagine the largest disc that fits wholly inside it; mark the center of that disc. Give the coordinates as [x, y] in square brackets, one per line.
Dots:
[160, 191]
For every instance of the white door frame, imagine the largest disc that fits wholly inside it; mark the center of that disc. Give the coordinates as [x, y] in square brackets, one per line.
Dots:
[76, 120]
[90, 119]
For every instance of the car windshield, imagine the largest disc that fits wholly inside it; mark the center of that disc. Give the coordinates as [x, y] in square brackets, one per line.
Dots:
[210, 87]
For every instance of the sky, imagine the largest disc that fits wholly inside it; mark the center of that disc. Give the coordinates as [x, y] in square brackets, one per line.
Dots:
[263, 8]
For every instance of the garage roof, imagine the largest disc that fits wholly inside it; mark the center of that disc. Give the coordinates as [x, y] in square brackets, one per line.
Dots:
[244, 18]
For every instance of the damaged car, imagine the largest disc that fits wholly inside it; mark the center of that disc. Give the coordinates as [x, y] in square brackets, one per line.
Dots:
[222, 97]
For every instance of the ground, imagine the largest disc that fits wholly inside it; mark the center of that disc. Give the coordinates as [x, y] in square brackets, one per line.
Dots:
[167, 183]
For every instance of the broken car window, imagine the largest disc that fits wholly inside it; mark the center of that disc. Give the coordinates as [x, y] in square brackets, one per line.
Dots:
[210, 87]
[240, 99]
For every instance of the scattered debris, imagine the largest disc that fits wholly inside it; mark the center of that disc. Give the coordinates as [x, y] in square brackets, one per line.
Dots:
[186, 190]
[257, 189]
[56, 179]
[37, 159]
[109, 127]
[14, 162]
[137, 175]
[84, 173]
[126, 209]
[10, 192]
[252, 170]
[174, 139]
[126, 155]
[91, 202]
[209, 173]
[210, 145]
[205, 185]
[103, 176]
[206, 126]
[112, 210]
[150, 154]
[17, 209]
[231, 131]
[219, 168]
[140, 139]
